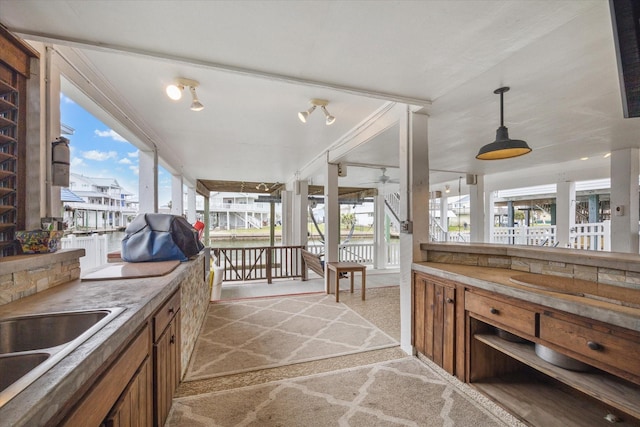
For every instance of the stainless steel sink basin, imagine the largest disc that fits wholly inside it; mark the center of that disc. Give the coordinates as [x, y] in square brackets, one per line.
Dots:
[45, 330]
[31, 345]
[15, 366]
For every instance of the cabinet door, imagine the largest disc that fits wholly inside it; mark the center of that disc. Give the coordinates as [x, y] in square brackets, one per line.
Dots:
[435, 320]
[134, 406]
[444, 320]
[166, 352]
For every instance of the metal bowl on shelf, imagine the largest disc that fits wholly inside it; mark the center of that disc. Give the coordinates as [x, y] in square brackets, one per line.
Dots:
[559, 359]
[509, 336]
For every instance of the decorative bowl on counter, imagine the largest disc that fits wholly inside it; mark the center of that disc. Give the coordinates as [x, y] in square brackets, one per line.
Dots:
[559, 359]
[39, 241]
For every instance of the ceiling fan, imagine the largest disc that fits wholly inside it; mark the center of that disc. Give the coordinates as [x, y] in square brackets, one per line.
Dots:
[383, 179]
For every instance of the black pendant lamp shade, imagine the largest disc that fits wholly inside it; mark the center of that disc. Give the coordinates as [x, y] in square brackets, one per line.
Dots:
[503, 147]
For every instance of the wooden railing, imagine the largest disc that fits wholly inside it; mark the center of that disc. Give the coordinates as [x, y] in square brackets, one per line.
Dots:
[259, 263]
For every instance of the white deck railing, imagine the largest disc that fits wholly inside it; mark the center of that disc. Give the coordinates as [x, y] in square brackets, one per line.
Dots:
[95, 247]
[593, 236]
[362, 252]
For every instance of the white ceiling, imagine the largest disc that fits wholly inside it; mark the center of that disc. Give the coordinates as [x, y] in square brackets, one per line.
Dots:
[260, 62]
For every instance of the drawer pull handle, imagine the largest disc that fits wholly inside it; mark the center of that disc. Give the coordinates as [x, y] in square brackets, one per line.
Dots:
[171, 310]
[594, 345]
[173, 339]
[449, 300]
[494, 310]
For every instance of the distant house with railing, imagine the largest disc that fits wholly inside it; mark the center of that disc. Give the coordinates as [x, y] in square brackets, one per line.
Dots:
[230, 211]
[106, 205]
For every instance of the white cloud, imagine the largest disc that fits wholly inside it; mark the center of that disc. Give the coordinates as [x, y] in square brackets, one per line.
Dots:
[99, 155]
[109, 134]
[66, 99]
[134, 154]
[77, 161]
[135, 170]
[125, 161]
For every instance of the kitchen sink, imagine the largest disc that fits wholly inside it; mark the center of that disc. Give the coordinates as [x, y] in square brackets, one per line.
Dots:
[15, 366]
[31, 345]
[46, 330]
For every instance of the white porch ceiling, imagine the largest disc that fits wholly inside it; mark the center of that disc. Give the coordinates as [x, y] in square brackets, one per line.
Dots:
[259, 63]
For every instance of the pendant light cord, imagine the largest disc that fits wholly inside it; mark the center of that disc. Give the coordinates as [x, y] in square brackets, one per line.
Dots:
[501, 110]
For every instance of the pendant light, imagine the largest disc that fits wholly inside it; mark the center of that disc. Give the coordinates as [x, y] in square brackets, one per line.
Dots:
[503, 147]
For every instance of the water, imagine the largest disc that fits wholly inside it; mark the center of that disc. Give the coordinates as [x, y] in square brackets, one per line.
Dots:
[114, 242]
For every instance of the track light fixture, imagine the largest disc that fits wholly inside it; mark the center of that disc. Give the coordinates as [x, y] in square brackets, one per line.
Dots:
[174, 91]
[447, 189]
[503, 147]
[315, 103]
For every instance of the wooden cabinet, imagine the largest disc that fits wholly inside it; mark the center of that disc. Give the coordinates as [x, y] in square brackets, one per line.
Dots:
[595, 343]
[434, 320]
[166, 357]
[134, 407]
[501, 313]
[127, 375]
[510, 371]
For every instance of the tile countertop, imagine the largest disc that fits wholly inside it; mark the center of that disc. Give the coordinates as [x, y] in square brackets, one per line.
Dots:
[498, 280]
[139, 297]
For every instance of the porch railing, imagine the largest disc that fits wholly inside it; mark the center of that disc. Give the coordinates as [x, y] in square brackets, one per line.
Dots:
[95, 248]
[593, 236]
[259, 263]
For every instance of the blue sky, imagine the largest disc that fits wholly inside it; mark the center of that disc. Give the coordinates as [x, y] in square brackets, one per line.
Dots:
[99, 152]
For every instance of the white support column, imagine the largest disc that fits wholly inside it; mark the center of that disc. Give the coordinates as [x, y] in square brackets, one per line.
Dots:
[52, 126]
[287, 217]
[191, 204]
[489, 201]
[414, 206]
[207, 222]
[477, 209]
[177, 198]
[444, 212]
[331, 220]
[301, 213]
[379, 240]
[624, 200]
[565, 211]
[148, 181]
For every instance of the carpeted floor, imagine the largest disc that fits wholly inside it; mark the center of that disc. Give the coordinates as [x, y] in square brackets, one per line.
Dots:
[401, 392]
[261, 333]
[372, 387]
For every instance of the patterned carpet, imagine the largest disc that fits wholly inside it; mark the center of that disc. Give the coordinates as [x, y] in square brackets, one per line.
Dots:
[261, 333]
[382, 387]
[402, 392]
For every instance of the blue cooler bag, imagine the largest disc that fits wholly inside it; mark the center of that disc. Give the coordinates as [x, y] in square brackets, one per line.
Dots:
[160, 237]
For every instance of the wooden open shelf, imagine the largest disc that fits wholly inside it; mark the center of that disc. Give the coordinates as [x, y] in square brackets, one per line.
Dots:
[606, 388]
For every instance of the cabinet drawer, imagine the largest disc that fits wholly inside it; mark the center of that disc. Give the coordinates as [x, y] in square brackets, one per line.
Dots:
[163, 316]
[592, 344]
[501, 313]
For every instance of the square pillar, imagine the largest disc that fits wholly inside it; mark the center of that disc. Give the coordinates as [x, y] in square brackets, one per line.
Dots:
[565, 212]
[414, 206]
[148, 181]
[624, 200]
[177, 201]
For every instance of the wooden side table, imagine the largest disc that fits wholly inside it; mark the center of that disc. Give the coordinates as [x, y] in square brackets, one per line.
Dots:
[345, 267]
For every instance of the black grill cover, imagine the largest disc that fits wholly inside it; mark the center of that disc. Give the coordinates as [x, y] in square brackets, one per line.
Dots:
[160, 237]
